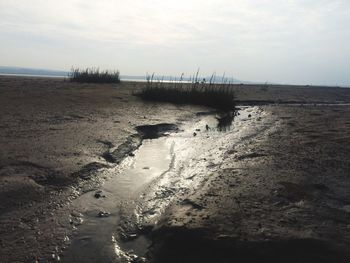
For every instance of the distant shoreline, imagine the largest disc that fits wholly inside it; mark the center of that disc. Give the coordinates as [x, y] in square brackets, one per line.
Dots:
[32, 75]
[137, 79]
[59, 76]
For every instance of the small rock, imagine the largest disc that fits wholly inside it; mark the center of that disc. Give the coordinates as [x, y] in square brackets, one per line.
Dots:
[103, 214]
[198, 130]
[249, 115]
[194, 134]
[131, 154]
[76, 214]
[99, 194]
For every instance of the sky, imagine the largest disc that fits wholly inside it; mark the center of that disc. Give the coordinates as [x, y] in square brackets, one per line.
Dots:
[280, 41]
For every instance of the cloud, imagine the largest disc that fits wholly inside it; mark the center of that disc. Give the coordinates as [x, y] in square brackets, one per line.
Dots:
[259, 36]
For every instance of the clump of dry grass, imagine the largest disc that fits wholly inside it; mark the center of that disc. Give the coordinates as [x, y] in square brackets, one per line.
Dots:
[94, 75]
[197, 92]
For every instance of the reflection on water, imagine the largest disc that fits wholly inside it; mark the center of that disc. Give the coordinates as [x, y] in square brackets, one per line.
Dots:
[98, 239]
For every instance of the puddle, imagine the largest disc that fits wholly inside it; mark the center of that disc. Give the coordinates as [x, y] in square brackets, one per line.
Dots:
[144, 184]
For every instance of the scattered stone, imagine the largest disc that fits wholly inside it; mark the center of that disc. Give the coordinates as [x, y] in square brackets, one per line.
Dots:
[103, 214]
[76, 214]
[198, 130]
[131, 154]
[207, 127]
[194, 134]
[136, 259]
[55, 257]
[76, 221]
[99, 194]
[249, 115]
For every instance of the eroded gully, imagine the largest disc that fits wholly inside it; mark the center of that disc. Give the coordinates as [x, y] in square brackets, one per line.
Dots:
[114, 219]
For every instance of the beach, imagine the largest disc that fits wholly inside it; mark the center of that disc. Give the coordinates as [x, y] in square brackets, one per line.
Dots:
[273, 186]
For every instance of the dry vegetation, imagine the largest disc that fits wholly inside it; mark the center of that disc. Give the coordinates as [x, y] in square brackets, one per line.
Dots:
[219, 96]
[94, 75]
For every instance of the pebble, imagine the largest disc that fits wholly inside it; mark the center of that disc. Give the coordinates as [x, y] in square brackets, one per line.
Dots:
[98, 194]
[76, 214]
[103, 214]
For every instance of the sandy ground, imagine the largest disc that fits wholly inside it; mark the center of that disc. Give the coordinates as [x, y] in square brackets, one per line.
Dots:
[279, 194]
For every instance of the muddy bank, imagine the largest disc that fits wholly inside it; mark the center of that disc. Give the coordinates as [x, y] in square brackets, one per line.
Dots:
[281, 195]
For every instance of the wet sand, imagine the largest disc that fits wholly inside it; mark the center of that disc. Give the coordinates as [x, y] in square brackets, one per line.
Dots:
[280, 195]
[273, 187]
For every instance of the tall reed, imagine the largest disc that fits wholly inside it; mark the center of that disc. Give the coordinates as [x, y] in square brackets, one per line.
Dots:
[198, 91]
[94, 75]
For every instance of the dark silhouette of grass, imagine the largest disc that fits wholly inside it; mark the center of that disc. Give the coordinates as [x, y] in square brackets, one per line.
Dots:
[219, 96]
[94, 75]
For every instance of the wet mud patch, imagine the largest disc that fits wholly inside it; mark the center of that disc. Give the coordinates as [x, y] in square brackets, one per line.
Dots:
[131, 144]
[201, 245]
[134, 141]
[156, 131]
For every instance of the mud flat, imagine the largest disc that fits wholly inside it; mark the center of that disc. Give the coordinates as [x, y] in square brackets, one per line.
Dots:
[280, 195]
[89, 173]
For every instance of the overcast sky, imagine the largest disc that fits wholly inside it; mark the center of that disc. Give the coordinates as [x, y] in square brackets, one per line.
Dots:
[285, 41]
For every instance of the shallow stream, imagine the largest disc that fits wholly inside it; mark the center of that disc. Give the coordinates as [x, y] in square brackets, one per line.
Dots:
[146, 182]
